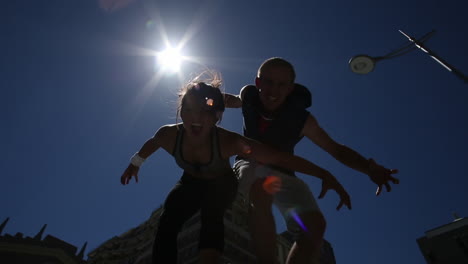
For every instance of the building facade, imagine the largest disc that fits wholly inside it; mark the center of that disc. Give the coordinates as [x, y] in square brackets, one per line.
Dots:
[135, 245]
[447, 243]
[131, 247]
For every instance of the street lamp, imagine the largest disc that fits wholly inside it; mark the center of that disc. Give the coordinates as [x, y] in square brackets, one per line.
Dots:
[363, 64]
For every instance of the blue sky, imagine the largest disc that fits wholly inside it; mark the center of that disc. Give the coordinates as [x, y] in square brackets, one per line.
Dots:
[77, 101]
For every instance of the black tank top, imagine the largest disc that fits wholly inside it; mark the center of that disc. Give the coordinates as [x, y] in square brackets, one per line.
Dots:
[284, 131]
[217, 165]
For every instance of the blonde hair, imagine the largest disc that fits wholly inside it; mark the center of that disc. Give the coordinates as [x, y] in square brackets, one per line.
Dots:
[206, 85]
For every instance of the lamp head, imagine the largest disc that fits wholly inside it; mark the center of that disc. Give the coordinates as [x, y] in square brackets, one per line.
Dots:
[362, 64]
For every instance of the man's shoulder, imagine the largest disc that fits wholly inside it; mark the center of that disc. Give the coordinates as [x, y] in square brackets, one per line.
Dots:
[300, 97]
[248, 92]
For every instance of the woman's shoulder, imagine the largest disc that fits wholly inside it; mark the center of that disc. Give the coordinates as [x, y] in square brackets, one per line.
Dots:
[222, 132]
[171, 126]
[229, 142]
[228, 137]
[167, 130]
[166, 136]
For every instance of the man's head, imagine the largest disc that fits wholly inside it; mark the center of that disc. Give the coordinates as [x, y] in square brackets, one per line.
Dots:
[275, 81]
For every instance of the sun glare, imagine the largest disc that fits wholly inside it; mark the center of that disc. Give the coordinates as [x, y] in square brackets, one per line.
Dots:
[170, 59]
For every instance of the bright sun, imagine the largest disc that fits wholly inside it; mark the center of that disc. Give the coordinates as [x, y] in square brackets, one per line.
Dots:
[170, 59]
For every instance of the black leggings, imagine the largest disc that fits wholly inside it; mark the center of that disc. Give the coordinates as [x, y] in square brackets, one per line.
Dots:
[212, 197]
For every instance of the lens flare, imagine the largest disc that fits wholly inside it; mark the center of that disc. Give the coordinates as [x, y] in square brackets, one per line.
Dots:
[272, 184]
[296, 218]
[247, 150]
[114, 5]
[150, 24]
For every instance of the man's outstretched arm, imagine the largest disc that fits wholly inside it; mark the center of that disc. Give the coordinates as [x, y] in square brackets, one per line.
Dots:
[349, 157]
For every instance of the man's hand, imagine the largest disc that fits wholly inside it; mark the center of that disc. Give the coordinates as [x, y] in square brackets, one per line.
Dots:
[331, 182]
[381, 176]
[232, 101]
[129, 172]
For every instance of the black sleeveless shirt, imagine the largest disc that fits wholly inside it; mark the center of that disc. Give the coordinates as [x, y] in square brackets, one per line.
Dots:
[284, 131]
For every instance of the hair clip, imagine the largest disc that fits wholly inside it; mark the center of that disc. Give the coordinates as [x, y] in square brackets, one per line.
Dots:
[209, 101]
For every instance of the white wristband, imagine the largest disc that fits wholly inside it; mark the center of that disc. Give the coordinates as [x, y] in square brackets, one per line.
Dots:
[136, 160]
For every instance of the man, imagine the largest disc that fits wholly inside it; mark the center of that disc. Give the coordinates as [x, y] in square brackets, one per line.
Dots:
[274, 112]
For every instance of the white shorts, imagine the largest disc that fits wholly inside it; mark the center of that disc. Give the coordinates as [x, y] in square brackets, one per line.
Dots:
[292, 198]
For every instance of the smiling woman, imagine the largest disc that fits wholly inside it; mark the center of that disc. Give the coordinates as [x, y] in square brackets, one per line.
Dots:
[170, 59]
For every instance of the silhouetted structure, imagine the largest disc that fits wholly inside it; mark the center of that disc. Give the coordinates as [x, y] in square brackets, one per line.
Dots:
[35, 250]
[447, 243]
[135, 245]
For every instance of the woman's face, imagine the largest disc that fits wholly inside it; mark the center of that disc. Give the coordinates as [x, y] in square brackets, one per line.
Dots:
[197, 115]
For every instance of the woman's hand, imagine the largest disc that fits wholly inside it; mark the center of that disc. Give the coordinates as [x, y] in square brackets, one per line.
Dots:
[129, 172]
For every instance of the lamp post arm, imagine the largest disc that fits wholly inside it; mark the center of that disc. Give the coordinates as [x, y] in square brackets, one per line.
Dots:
[434, 56]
